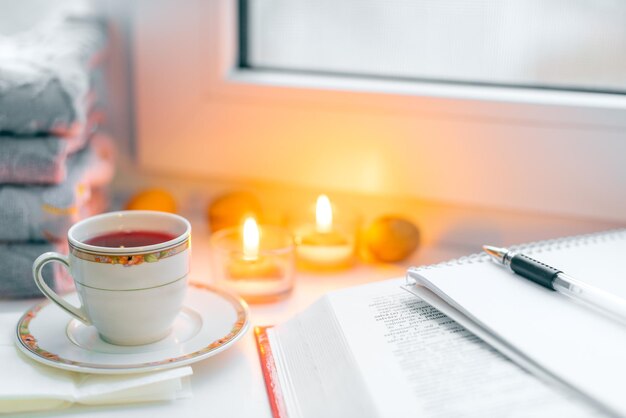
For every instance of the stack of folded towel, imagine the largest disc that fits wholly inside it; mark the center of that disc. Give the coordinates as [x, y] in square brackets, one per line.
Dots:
[54, 161]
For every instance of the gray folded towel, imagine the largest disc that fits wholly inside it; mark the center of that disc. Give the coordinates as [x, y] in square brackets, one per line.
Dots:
[45, 75]
[16, 263]
[36, 213]
[39, 159]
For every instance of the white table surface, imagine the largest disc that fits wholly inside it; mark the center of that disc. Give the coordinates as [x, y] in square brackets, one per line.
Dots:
[231, 384]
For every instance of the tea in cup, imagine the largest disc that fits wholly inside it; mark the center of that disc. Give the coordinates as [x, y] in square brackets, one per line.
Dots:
[130, 271]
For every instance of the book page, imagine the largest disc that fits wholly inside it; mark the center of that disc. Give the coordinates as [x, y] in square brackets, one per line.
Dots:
[415, 361]
[317, 373]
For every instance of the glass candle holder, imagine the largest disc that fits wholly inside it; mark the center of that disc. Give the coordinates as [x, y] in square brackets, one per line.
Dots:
[261, 271]
[325, 237]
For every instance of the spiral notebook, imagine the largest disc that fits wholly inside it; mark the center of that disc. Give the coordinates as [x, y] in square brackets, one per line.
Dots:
[543, 331]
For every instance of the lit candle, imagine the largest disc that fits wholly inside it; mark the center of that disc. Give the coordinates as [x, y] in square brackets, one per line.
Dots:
[251, 239]
[323, 215]
[250, 265]
[257, 263]
[324, 244]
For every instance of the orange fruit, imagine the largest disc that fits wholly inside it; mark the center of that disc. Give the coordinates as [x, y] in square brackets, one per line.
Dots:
[231, 209]
[152, 199]
[391, 238]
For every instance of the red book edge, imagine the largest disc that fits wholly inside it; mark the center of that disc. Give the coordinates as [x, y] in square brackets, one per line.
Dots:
[270, 374]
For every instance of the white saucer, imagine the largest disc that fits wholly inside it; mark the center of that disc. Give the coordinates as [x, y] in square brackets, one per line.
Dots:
[210, 322]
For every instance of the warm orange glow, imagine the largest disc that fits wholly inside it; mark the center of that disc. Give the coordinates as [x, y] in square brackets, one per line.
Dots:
[323, 214]
[251, 238]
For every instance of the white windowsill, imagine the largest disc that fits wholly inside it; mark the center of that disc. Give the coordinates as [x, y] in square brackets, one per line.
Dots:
[441, 90]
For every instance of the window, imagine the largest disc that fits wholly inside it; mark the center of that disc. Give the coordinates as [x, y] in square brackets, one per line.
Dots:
[290, 114]
[554, 44]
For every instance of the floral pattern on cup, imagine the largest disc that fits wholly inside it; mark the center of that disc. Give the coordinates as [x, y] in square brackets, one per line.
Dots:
[129, 260]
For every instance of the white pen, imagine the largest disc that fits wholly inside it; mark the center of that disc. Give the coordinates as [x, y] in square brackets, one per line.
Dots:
[554, 279]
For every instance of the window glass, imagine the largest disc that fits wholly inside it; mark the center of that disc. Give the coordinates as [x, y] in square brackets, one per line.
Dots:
[563, 44]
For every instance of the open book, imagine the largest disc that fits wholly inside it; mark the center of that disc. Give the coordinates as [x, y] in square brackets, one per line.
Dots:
[549, 334]
[378, 351]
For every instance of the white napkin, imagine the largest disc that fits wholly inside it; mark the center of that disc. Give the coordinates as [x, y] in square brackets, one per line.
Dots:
[26, 385]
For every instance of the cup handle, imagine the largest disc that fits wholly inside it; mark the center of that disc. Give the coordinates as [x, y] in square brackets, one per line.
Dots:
[40, 262]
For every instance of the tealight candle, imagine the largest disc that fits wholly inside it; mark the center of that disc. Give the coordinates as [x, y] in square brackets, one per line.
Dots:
[325, 243]
[255, 262]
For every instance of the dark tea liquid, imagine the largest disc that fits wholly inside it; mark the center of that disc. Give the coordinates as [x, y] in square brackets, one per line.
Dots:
[125, 239]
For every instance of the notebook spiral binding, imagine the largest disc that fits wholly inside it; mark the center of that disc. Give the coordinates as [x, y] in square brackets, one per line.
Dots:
[529, 248]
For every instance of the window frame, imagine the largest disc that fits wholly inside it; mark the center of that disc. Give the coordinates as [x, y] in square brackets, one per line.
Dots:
[204, 36]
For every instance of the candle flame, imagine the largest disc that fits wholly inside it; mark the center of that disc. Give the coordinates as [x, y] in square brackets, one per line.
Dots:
[323, 214]
[251, 238]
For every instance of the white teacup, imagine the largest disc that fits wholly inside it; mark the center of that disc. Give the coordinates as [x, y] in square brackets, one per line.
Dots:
[130, 294]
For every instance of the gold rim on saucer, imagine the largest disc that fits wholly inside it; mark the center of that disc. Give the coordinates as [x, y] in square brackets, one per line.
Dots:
[61, 351]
